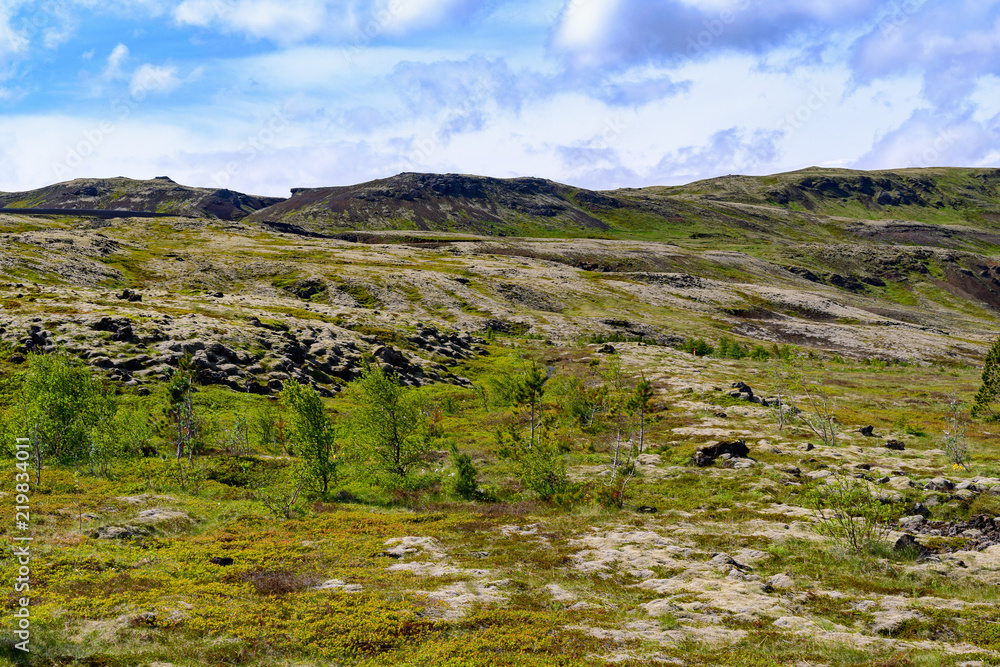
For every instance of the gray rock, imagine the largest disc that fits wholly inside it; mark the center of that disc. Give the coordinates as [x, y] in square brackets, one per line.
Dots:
[939, 484]
[118, 532]
[780, 582]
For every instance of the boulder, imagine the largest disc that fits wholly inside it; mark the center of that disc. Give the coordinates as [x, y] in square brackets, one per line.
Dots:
[895, 445]
[939, 484]
[118, 532]
[706, 455]
[780, 582]
[391, 356]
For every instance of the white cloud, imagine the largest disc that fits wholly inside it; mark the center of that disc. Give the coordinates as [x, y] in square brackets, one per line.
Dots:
[11, 40]
[153, 79]
[623, 32]
[404, 16]
[116, 62]
[282, 21]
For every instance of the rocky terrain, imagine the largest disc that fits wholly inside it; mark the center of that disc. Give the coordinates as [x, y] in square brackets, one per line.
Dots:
[876, 292]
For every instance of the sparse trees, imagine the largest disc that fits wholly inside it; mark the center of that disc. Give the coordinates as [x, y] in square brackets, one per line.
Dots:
[119, 431]
[847, 511]
[820, 418]
[629, 406]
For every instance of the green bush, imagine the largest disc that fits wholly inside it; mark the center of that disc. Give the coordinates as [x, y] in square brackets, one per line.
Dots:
[847, 511]
[986, 398]
[59, 403]
[697, 347]
[729, 349]
[463, 482]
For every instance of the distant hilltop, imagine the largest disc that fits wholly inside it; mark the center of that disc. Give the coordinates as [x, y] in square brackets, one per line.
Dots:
[523, 206]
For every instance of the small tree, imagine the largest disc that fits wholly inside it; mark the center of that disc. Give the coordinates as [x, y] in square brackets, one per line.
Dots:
[388, 424]
[626, 453]
[463, 483]
[529, 392]
[820, 418]
[57, 406]
[847, 511]
[119, 432]
[312, 433]
[955, 446]
[989, 391]
[180, 410]
[784, 407]
[280, 493]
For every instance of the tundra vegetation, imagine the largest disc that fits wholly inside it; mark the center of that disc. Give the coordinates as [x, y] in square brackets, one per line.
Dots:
[500, 523]
[748, 422]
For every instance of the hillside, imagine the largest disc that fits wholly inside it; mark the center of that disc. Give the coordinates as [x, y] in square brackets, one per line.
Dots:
[160, 195]
[440, 202]
[925, 195]
[804, 363]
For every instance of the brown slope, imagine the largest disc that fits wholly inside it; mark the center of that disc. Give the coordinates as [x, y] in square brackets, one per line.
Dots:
[159, 195]
[441, 202]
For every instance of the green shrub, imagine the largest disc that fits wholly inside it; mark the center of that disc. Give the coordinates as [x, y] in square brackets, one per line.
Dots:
[729, 349]
[989, 391]
[847, 511]
[58, 404]
[463, 482]
[697, 347]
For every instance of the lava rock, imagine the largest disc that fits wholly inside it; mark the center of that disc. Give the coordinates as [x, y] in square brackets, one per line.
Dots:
[705, 456]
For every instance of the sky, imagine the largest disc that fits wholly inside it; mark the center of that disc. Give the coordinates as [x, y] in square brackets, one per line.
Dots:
[261, 96]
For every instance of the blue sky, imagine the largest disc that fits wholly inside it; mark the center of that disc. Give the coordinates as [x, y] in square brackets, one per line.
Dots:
[265, 95]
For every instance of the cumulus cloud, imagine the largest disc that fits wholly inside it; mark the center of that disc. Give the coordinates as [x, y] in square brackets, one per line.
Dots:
[733, 150]
[116, 62]
[153, 79]
[404, 16]
[609, 32]
[294, 21]
[952, 43]
[12, 40]
[928, 139]
[283, 21]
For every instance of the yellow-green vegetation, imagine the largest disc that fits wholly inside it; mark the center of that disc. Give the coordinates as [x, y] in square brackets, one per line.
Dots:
[326, 579]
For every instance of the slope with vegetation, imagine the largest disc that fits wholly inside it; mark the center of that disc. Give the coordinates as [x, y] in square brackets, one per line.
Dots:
[737, 434]
[160, 195]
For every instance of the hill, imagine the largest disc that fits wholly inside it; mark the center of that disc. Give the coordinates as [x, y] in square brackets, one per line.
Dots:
[799, 356]
[942, 194]
[159, 195]
[441, 202]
